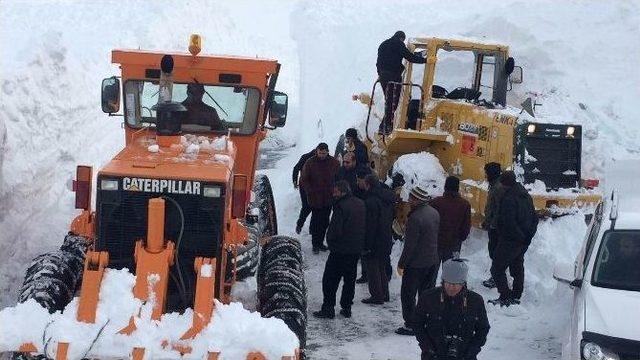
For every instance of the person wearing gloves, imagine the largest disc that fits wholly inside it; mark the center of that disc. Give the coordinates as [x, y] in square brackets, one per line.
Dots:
[450, 321]
[419, 261]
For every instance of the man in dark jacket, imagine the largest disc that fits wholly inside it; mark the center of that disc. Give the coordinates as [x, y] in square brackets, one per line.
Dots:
[455, 219]
[492, 173]
[418, 264]
[317, 179]
[346, 241]
[451, 321]
[517, 224]
[391, 52]
[347, 172]
[380, 203]
[352, 143]
[305, 210]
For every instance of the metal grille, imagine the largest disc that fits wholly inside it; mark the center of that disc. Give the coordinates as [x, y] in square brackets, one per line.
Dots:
[558, 161]
[122, 220]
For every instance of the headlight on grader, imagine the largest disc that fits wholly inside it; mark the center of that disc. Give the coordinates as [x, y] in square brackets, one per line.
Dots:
[211, 191]
[531, 128]
[110, 185]
[570, 130]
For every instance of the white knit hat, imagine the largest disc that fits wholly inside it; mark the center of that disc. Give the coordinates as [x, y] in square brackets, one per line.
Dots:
[420, 193]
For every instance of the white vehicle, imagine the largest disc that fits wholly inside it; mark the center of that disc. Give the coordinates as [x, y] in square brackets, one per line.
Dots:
[605, 319]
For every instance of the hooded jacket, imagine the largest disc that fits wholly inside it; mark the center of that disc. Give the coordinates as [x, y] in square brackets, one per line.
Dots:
[517, 219]
[380, 203]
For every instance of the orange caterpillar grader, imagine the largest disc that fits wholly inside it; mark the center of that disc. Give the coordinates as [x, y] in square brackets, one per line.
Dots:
[180, 206]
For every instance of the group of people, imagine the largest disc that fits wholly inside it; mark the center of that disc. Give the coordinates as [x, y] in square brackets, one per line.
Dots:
[353, 211]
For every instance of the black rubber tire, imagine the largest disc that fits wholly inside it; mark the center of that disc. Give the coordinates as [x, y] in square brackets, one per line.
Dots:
[52, 279]
[264, 201]
[282, 291]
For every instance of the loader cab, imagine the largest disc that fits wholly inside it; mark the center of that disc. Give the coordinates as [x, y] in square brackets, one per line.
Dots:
[456, 70]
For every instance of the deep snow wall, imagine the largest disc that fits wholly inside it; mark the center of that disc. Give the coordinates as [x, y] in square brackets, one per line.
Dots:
[577, 58]
[54, 57]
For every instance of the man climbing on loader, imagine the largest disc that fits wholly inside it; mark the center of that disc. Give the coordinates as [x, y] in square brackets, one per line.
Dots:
[391, 52]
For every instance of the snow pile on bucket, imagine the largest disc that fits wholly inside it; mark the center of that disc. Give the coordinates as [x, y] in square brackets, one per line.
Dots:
[422, 169]
[233, 331]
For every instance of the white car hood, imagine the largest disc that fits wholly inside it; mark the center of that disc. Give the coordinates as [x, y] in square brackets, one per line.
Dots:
[613, 312]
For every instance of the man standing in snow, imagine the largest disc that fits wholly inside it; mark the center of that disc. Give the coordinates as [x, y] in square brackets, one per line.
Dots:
[352, 143]
[455, 219]
[318, 174]
[305, 210]
[418, 264]
[345, 238]
[517, 224]
[492, 172]
[391, 52]
[450, 321]
[347, 172]
[380, 203]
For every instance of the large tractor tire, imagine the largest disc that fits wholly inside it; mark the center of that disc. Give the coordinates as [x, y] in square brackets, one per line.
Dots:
[267, 225]
[282, 292]
[53, 278]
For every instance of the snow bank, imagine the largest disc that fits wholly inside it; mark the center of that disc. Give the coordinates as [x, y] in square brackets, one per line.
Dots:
[233, 331]
[422, 169]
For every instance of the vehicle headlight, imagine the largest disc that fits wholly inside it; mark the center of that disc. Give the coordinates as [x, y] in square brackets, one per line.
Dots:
[571, 130]
[531, 128]
[593, 351]
[110, 185]
[211, 191]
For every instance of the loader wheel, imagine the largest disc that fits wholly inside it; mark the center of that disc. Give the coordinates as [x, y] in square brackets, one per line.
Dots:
[268, 221]
[53, 278]
[282, 292]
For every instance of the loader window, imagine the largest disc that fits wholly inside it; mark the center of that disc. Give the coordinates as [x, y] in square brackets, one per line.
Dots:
[210, 108]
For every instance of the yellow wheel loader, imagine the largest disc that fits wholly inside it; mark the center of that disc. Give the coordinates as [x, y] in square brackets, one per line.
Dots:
[455, 107]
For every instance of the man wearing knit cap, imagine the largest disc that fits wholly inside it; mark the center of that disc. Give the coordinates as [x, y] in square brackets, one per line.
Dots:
[455, 219]
[419, 261]
[450, 321]
[492, 172]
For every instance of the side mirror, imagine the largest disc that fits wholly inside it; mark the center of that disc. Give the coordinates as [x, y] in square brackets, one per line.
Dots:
[565, 274]
[516, 75]
[111, 95]
[278, 109]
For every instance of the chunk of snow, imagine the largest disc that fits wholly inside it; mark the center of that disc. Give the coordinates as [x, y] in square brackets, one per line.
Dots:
[192, 149]
[153, 148]
[221, 158]
[233, 330]
[570, 172]
[528, 158]
[206, 270]
[422, 169]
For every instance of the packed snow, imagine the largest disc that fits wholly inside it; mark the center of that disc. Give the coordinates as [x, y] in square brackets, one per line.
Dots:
[576, 58]
[420, 169]
[233, 331]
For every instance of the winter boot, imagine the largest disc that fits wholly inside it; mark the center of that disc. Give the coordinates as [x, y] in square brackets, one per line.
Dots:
[372, 301]
[404, 330]
[502, 301]
[490, 283]
[346, 312]
[325, 314]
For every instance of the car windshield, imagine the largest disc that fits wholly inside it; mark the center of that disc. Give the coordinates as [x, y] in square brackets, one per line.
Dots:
[210, 108]
[617, 266]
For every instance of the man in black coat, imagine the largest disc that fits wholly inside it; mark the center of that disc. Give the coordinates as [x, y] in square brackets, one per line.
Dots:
[450, 321]
[517, 224]
[305, 209]
[345, 238]
[391, 52]
[380, 203]
[492, 173]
